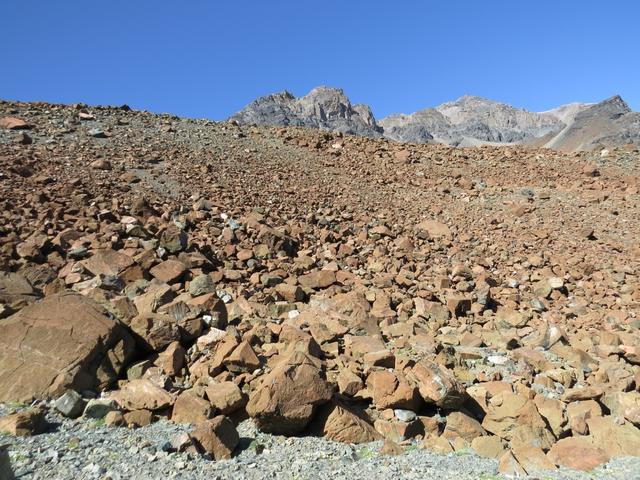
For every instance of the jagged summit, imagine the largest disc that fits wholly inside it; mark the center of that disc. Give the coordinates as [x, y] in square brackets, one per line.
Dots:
[323, 107]
[470, 120]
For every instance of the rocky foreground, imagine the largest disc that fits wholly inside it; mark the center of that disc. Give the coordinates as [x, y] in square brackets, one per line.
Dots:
[238, 292]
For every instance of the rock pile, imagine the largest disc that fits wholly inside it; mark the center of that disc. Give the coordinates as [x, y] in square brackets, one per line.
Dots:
[353, 288]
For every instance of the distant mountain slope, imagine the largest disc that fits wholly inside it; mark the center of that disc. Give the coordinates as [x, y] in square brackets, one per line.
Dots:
[468, 121]
[325, 108]
[605, 124]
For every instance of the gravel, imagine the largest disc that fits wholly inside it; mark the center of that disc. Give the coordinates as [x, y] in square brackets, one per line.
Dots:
[86, 449]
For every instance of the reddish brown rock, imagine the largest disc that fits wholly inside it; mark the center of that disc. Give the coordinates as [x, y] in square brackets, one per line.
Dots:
[318, 279]
[25, 423]
[168, 271]
[13, 123]
[191, 408]
[142, 395]
[225, 397]
[64, 342]
[138, 418]
[578, 453]
[437, 385]
[155, 331]
[392, 390]
[463, 426]
[286, 399]
[342, 424]
[217, 436]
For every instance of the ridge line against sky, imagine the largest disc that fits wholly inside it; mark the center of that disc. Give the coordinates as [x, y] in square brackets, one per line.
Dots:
[210, 59]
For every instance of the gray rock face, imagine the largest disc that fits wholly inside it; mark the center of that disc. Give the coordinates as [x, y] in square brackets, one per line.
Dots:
[468, 121]
[324, 108]
[609, 123]
[471, 121]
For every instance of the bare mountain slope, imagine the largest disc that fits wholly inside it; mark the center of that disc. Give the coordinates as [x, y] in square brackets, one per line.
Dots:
[605, 124]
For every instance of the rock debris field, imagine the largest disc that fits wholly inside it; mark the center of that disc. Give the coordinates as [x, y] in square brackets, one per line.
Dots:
[190, 299]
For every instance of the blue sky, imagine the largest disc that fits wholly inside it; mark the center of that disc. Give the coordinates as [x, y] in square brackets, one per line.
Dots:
[209, 58]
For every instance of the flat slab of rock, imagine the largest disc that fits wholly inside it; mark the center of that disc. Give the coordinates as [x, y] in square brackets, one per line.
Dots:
[65, 341]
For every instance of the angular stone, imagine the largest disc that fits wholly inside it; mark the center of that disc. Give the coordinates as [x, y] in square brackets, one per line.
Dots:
[225, 397]
[217, 437]
[191, 408]
[434, 229]
[66, 341]
[318, 279]
[437, 385]
[462, 426]
[155, 331]
[168, 271]
[174, 239]
[392, 390]
[624, 404]
[342, 424]
[70, 404]
[286, 398]
[26, 423]
[531, 458]
[578, 453]
[201, 285]
[142, 395]
[349, 383]
[107, 262]
[616, 440]
[242, 359]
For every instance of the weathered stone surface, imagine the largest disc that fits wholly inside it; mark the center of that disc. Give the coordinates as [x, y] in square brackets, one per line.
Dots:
[142, 395]
[342, 424]
[217, 436]
[155, 331]
[437, 385]
[24, 423]
[70, 404]
[225, 397]
[64, 341]
[16, 291]
[392, 390]
[318, 279]
[578, 453]
[191, 408]
[463, 426]
[138, 418]
[286, 399]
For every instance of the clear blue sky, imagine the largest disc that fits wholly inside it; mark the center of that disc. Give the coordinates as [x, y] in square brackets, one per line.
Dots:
[209, 58]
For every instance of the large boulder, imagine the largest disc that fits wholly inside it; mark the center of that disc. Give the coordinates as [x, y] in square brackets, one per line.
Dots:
[64, 342]
[285, 401]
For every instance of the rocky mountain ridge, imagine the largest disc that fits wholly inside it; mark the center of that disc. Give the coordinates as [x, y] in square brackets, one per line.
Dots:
[468, 121]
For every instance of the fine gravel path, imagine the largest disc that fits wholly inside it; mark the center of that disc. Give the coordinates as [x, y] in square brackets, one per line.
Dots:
[86, 449]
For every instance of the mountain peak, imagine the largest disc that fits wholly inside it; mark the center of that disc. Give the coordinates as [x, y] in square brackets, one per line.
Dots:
[469, 120]
[327, 108]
